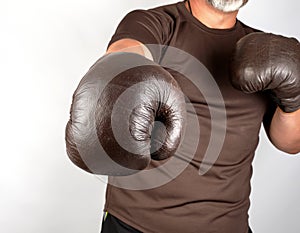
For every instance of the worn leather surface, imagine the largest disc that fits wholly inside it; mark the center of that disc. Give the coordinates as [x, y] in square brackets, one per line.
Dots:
[126, 111]
[265, 61]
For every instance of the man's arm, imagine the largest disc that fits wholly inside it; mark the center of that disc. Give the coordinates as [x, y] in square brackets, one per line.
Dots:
[284, 131]
[130, 45]
[269, 62]
[112, 107]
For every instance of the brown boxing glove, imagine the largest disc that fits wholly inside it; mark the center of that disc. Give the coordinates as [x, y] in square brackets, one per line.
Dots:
[264, 61]
[126, 111]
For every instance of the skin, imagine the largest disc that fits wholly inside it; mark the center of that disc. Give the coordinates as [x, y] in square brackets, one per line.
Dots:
[227, 5]
[212, 17]
[284, 131]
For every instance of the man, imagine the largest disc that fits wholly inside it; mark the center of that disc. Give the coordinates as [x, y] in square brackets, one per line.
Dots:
[218, 199]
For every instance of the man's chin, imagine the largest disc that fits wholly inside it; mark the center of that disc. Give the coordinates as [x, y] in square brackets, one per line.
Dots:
[227, 6]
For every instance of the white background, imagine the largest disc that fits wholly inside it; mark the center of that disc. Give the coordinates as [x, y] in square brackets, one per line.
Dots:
[46, 47]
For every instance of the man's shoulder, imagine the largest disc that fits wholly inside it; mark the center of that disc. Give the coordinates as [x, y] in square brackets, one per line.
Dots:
[248, 29]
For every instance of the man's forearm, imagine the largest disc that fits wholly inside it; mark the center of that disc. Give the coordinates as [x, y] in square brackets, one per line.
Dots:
[285, 131]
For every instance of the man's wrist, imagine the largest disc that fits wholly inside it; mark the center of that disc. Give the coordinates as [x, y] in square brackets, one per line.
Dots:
[287, 115]
[285, 131]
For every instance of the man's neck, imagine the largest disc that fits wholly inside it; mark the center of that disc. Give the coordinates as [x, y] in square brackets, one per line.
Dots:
[212, 17]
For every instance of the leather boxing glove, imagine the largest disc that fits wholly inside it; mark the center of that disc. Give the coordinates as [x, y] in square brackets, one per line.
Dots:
[126, 111]
[264, 61]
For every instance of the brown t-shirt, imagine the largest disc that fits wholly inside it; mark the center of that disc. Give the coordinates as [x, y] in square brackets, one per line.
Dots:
[216, 200]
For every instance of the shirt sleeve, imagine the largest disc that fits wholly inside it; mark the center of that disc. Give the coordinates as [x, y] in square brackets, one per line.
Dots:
[149, 27]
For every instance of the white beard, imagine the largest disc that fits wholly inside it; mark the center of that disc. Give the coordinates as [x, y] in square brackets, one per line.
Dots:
[227, 5]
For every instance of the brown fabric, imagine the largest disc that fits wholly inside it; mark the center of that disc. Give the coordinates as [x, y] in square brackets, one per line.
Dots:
[219, 200]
